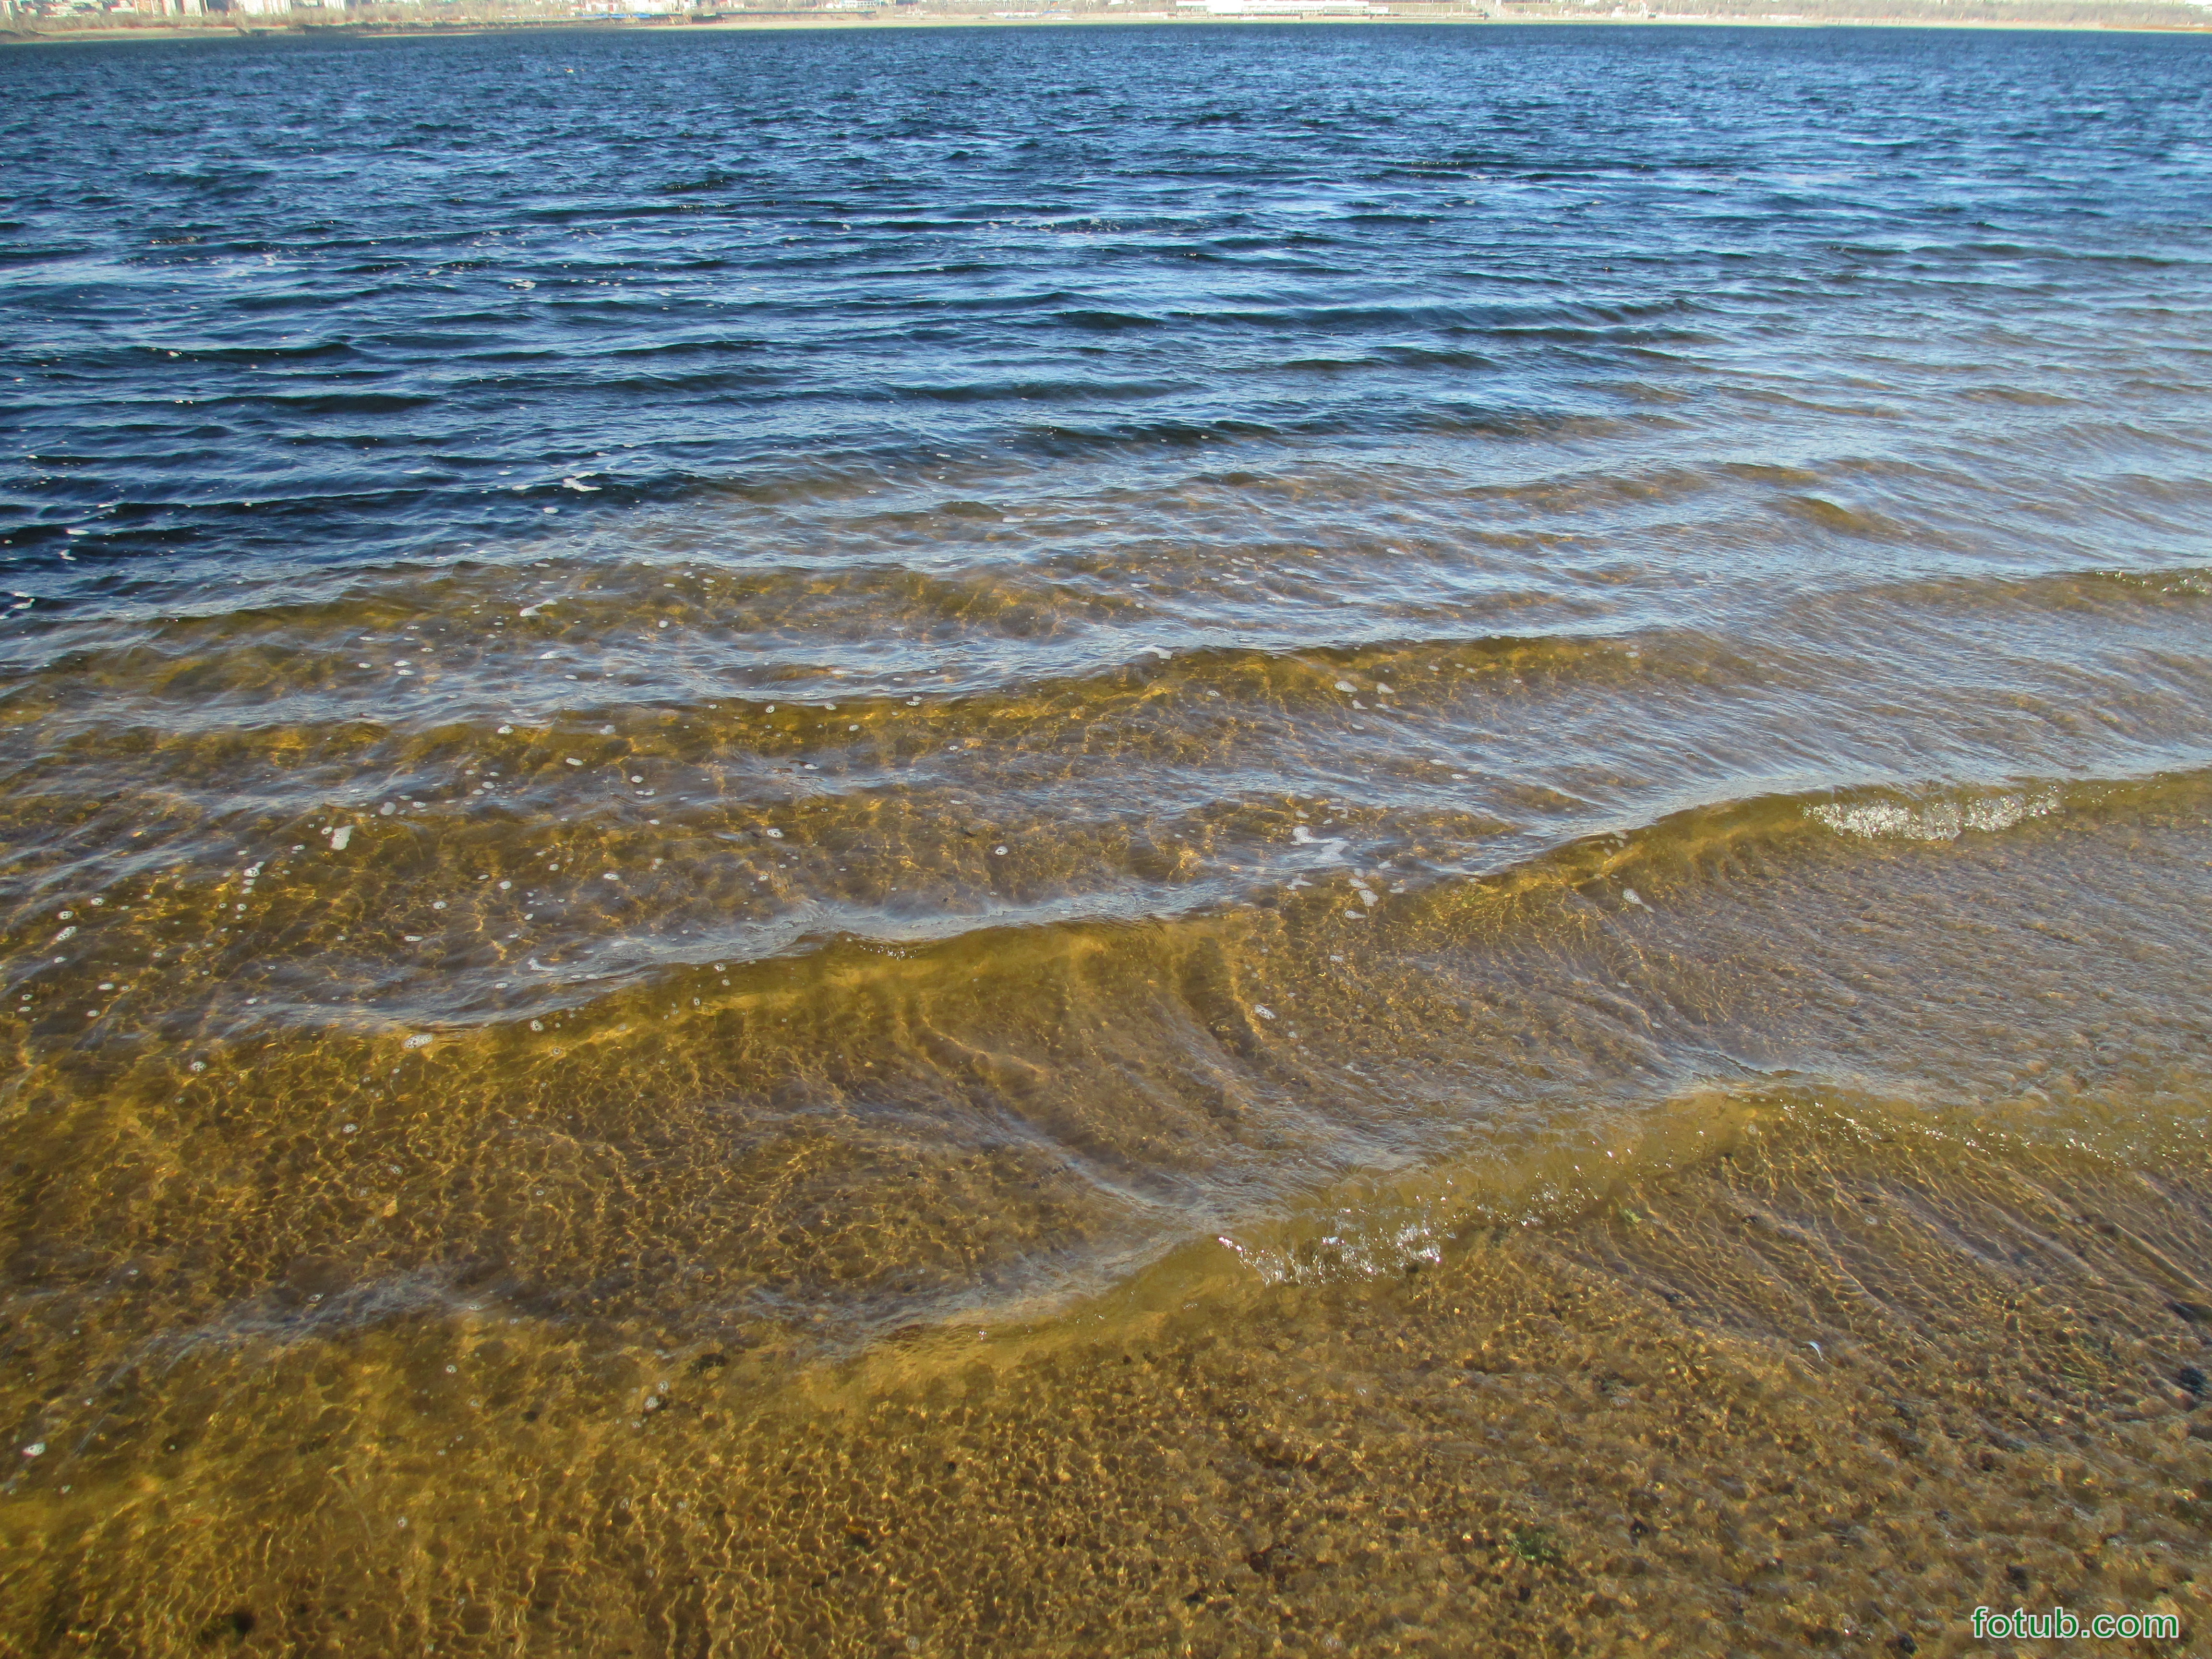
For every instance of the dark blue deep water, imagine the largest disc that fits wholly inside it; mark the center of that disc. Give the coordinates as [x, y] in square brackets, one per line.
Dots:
[334, 301]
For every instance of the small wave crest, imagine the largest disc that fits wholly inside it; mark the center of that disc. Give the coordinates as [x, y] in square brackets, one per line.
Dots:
[1936, 819]
[1356, 1246]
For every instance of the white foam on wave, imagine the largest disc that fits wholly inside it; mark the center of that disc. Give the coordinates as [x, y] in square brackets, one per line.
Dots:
[1358, 1246]
[1932, 820]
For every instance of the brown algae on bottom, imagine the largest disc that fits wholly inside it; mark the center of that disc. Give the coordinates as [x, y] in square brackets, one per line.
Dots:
[1824, 1386]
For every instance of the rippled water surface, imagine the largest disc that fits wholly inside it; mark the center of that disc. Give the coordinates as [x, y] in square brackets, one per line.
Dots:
[1021, 840]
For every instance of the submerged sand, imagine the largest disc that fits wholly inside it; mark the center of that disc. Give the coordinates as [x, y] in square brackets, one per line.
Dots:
[1834, 1386]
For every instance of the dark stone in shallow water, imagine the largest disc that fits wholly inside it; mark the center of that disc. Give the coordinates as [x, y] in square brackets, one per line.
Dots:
[2192, 1381]
[236, 1625]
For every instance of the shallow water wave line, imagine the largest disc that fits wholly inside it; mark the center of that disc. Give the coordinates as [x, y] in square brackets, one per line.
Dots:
[855, 1133]
[649, 805]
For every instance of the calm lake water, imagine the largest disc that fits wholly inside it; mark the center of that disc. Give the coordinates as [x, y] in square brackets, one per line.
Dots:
[1022, 841]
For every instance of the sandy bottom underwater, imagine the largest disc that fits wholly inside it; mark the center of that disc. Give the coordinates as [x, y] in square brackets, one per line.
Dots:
[1831, 1388]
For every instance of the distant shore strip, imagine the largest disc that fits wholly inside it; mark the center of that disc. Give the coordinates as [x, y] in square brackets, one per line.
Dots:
[19, 29]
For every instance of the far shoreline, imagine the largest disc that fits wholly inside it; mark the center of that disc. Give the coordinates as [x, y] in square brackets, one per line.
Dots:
[825, 22]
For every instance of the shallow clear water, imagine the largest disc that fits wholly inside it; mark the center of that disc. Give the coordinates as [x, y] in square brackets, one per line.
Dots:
[794, 709]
